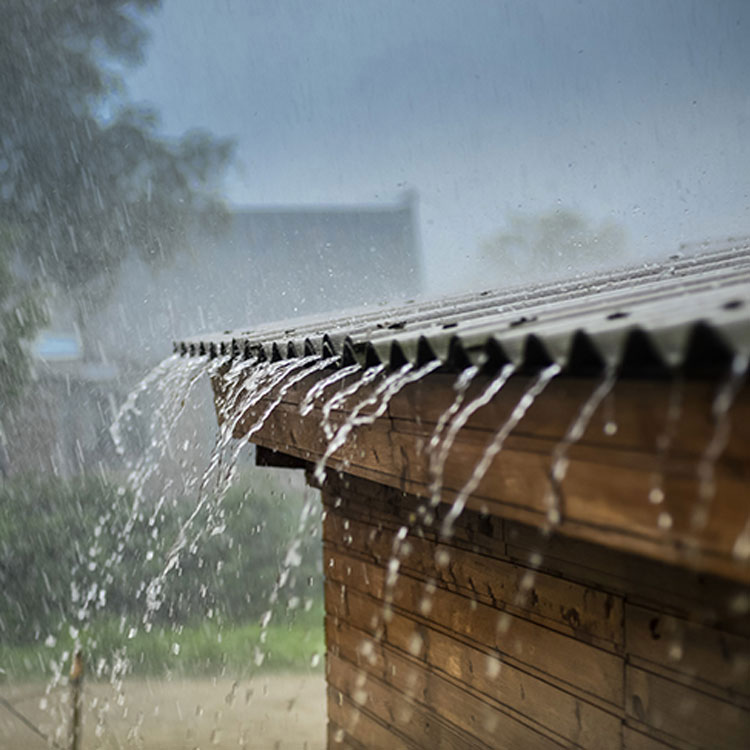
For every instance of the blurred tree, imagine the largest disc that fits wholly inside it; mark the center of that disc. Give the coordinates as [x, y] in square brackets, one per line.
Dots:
[538, 246]
[84, 178]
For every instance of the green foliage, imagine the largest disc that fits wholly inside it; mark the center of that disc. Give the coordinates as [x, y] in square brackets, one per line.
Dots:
[85, 180]
[205, 649]
[74, 552]
[86, 175]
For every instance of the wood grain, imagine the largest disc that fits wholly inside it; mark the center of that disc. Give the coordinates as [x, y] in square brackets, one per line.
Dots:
[605, 494]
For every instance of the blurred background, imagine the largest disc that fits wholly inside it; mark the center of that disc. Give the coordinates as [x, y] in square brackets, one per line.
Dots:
[176, 167]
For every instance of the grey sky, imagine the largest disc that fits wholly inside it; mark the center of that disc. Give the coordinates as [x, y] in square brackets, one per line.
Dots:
[634, 111]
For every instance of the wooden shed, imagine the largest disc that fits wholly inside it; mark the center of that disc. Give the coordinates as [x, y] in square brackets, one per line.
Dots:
[537, 530]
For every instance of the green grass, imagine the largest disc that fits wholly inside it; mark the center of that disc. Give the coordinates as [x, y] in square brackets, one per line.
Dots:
[200, 649]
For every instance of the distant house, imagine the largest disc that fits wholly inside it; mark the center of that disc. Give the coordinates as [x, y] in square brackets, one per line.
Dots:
[283, 262]
[313, 259]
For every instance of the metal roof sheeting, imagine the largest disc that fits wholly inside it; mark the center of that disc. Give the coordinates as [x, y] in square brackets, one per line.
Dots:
[688, 311]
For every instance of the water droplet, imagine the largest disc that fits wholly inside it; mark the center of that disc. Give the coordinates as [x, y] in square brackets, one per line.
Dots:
[442, 557]
[664, 521]
[656, 495]
[740, 604]
[741, 548]
[494, 666]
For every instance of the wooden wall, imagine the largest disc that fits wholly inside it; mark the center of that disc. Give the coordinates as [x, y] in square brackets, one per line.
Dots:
[605, 493]
[465, 647]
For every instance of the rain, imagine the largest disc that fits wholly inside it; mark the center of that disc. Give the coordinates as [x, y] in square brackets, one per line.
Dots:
[374, 374]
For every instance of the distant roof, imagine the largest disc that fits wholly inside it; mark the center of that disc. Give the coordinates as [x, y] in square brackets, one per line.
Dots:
[274, 261]
[689, 310]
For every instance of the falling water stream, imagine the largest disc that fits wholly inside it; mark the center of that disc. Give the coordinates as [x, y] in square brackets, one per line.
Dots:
[338, 399]
[284, 375]
[456, 418]
[254, 390]
[665, 439]
[382, 396]
[720, 413]
[461, 386]
[496, 445]
[457, 421]
[308, 402]
[559, 465]
[171, 383]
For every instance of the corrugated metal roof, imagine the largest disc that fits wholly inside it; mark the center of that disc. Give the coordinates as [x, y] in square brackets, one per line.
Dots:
[692, 311]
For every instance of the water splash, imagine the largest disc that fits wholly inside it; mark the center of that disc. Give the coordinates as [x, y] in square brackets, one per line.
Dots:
[496, 444]
[284, 375]
[259, 380]
[382, 397]
[164, 369]
[459, 419]
[175, 388]
[720, 411]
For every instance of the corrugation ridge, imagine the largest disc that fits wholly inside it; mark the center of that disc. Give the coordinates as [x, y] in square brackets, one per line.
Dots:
[648, 327]
[731, 264]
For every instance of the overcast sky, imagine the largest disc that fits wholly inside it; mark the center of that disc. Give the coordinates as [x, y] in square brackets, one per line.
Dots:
[637, 111]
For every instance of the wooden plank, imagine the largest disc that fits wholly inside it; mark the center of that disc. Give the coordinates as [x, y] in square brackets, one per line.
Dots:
[460, 719]
[575, 609]
[683, 592]
[419, 725]
[338, 739]
[522, 695]
[600, 498]
[701, 655]
[638, 408]
[582, 666]
[684, 713]
[359, 498]
[635, 740]
[361, 727]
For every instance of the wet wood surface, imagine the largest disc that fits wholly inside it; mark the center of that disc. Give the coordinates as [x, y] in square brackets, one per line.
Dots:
[452, 652]
[644, 435]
